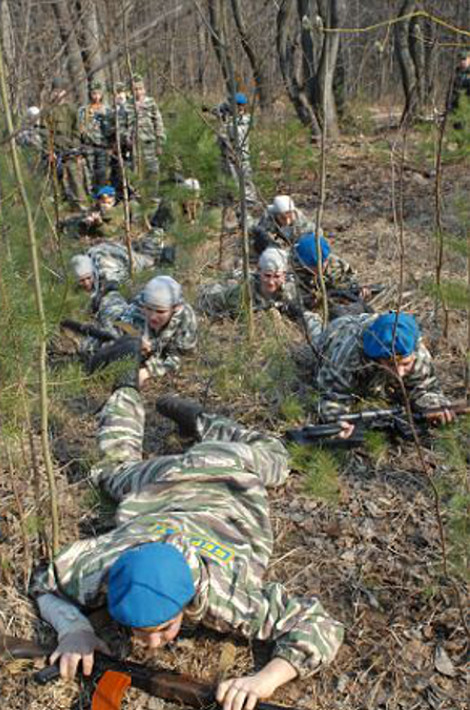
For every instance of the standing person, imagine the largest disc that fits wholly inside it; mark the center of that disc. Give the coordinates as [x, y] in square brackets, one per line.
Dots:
[119, 131]
[94, 126]
[63, 146]
[234, 143]
[146, 131]
[461, 86]
[192, 543]
[30, 135]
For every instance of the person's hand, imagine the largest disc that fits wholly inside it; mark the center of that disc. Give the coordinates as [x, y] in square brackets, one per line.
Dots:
[159, 150]
[365, 293]
[243, 693]
[74, 647]
[144, 375]
[446, 416]
[347, 430]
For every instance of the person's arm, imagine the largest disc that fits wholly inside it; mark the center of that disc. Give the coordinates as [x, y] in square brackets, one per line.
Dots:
[168, 359]
[423, 386]
[76, 638]
[246, 691]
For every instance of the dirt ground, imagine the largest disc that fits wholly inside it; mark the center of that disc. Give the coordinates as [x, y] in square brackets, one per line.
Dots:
[374, 557]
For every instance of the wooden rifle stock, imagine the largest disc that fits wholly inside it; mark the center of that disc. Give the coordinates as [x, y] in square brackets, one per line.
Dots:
[168, 685]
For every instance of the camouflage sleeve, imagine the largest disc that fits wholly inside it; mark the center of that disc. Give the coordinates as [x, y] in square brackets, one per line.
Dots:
[110, 310]
[220, 299]
[336, 380]
[302, 631]
[159, 125]
[183, 341]
[340, 273]
[422, 384]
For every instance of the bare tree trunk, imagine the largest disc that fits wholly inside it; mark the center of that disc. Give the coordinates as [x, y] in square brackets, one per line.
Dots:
[91, 50]
[218, 40]
[255, 62]
[412, 61]
[69, 38]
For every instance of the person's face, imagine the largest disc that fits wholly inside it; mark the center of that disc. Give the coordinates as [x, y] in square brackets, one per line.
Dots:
[404, 365]
[272, 281]
[96, 96]
[157, 636]
[158, 318]
[107, 202]
[86, 283]
[57, 95]
[465, 62]
[286, 219]
[139, 92]
[121, 97]
[241, 108]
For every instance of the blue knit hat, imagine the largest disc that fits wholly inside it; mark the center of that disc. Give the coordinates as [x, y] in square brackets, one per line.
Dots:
[240, 99]
[149, 585]
[306, 250]
[391, 334]
[106, 190]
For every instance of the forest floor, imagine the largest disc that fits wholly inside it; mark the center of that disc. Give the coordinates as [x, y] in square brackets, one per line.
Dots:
[365, 536]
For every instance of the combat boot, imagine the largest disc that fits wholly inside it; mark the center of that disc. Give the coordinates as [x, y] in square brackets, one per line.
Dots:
[126, 350]
[182, 411]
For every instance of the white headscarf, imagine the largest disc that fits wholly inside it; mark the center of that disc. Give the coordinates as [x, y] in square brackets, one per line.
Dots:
[281, 204]
[162, 292]
[273, 259]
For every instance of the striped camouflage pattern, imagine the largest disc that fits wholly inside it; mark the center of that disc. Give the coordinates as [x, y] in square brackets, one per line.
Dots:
[346, 375]
[111, 261]
[338, 274]
[150, 126]
[167, 346]
[211, 503]
[94, 125]
[229, 136]
[227, 299]
[283, 236]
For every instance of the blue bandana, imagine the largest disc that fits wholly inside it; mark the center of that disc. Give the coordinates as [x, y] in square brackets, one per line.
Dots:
[306, 250]
[240, 99]
[106, 190]
[389, 334]
[149, 585]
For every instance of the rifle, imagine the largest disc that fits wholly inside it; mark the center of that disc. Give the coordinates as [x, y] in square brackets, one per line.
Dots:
[395, 419]
[87, 329]
[169, 685]
[353, 294]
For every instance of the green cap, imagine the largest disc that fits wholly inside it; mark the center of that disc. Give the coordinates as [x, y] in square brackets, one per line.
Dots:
[96, 85]
[137, 79]
[58, 83]
[120, 86]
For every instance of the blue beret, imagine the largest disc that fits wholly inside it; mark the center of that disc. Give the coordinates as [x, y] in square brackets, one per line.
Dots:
[378, 338]
[306, 250]
[241, 99]
[149, 585]
[106, 190]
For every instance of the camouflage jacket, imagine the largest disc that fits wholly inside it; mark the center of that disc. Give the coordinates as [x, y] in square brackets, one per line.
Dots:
[111, 262]
[282, 236]
[61, 127]
[167, 346]
[94, 125]
[240, 132]
[212, 504]
[346, 374]
[150, 126]
[219, 300]
[109, 225]
[338, 274]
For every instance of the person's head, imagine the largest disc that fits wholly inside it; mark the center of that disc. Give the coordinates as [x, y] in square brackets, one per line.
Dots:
[58, 90]
[272, 267]
[464, 60]
[391, 340]
[106, 198]
[306, 252]
[148, 588]
[161, 297]
[32, 115]
[82, 267]
[139, 87]
[96, 92]
[120, 92]
[241, 102]
[283, 210]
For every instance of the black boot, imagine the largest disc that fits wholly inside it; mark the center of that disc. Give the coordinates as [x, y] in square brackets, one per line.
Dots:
[127, 349]
[182, 411]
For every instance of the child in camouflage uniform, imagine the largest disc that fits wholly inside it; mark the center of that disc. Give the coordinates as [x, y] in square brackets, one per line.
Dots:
[281, 225]
[375, 356]
[146, 132]
[94, 125]
[271, 287]
[191, 545]
[167, 324]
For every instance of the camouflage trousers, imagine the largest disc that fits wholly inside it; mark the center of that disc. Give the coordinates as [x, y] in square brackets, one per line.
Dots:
[224, 444]
[97, 163]
[74, 181]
